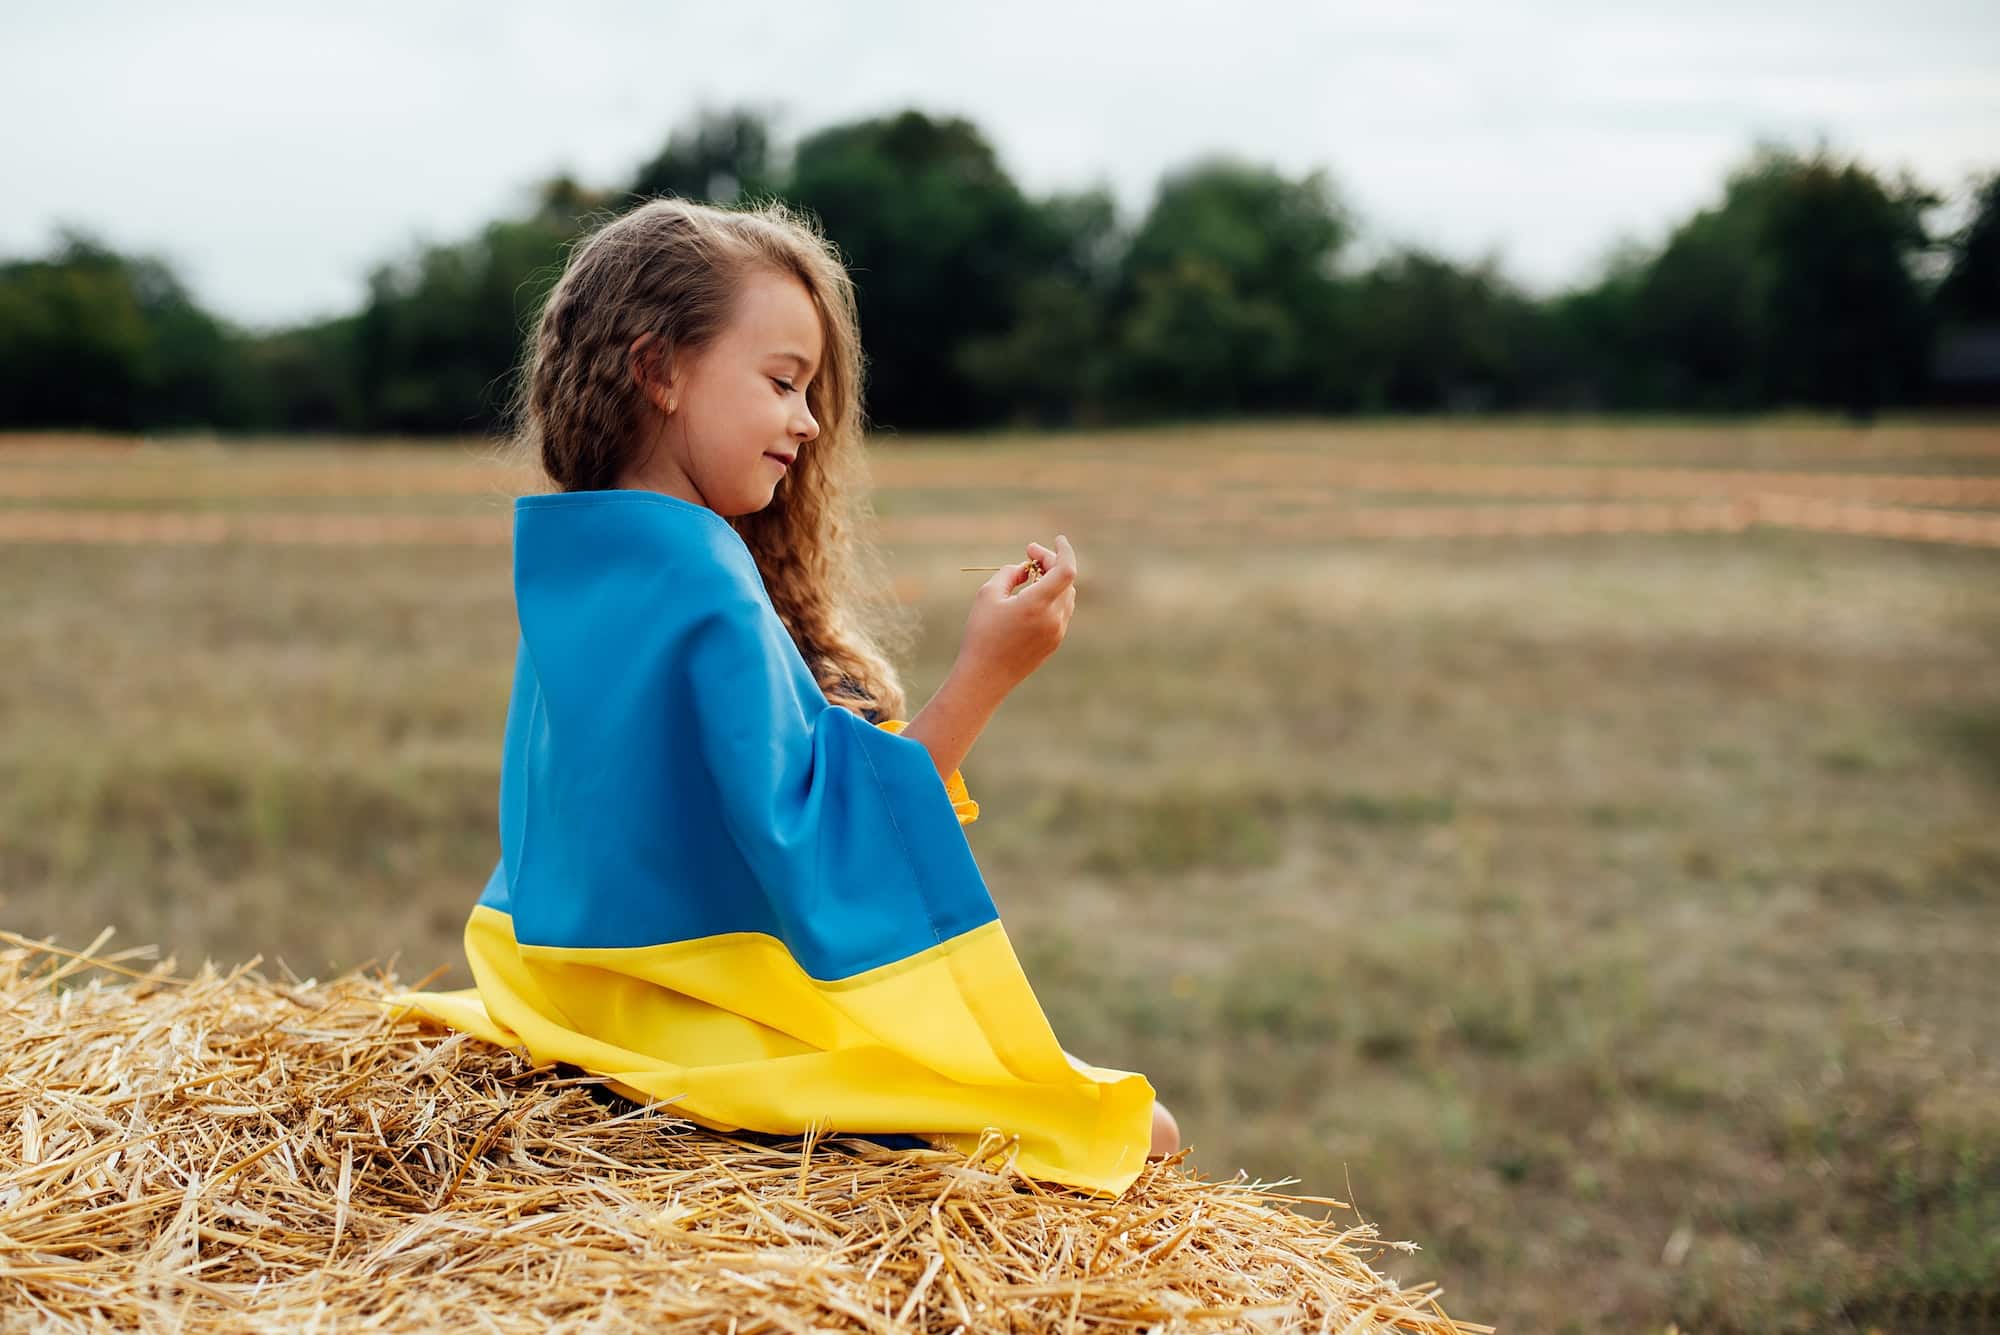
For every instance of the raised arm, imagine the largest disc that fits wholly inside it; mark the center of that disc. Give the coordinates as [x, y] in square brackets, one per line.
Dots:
[1016, 622]
[954, 718]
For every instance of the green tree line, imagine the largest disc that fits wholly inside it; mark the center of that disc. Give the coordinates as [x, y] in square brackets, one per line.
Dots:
[1812, 281]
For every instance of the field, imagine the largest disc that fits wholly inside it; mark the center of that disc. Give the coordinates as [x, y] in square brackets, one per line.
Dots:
[1574, 843]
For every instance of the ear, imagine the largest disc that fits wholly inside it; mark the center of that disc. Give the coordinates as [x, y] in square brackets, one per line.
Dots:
[648, 363]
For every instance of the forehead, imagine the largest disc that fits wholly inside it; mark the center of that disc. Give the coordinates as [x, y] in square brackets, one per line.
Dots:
[774, 313]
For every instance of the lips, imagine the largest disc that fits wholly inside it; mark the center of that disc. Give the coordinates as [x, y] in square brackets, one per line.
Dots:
[785, 459]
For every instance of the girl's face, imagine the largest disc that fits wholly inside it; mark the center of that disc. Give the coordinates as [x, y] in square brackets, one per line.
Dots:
[736, 410]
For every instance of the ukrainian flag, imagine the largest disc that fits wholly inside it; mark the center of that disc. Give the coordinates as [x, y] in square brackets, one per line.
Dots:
[716, 888]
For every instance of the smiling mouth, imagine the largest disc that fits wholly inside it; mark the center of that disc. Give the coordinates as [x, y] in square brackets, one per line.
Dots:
[786, 460]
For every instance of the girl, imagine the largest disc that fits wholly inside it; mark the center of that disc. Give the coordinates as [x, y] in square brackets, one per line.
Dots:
[728, 879]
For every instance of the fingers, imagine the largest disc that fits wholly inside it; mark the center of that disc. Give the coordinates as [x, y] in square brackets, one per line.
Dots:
[1058, 567]
[1057, 574]
[1015, 577]
[1062, 552]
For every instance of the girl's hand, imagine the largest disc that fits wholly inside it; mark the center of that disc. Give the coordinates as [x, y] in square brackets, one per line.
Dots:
[1017, 621]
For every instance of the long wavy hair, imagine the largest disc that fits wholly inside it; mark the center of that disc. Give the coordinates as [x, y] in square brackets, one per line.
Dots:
[672, 267]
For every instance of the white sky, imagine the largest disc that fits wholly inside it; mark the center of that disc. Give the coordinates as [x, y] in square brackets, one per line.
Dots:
[274, 157]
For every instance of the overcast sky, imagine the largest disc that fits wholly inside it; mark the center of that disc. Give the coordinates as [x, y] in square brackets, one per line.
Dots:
[273, 157]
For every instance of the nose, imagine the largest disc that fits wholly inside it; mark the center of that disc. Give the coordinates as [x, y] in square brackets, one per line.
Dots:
[805, 428]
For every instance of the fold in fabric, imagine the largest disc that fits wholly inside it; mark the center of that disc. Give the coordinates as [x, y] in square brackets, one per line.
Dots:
[718, 889]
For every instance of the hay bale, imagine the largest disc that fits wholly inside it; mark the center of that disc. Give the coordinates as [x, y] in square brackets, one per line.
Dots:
[225, 1151]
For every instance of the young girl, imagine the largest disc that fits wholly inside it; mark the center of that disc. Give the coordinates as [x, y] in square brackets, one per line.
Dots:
[728, 879]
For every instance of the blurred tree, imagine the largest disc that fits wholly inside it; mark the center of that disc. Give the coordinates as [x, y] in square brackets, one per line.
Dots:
[1268, 234]
[563, 202]
[1798, 288]
[1228, 299]
[1592, 331]
[942, 246]
[1193, 344]
[721, 157]
[1053, 362]
[1701, 312]
[1433, 335]
[90, 337]
[1849, 322]
[303, 379]
[1970, 292]
[439, 339]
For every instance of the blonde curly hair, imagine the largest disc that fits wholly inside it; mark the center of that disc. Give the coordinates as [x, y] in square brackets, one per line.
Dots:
[672, 267]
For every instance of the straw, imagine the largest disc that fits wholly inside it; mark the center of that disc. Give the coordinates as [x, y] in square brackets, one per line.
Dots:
[1032, 566]
[225, 1151]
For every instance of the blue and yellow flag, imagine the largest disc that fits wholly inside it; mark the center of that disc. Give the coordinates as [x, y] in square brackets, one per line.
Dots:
[717, 888]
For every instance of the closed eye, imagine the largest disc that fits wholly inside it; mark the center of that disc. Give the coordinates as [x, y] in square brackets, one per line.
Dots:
[785, 385]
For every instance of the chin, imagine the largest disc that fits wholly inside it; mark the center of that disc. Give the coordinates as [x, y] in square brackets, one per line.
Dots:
[747, 507]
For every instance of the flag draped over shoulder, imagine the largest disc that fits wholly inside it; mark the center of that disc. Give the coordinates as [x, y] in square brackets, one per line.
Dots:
[717, 888]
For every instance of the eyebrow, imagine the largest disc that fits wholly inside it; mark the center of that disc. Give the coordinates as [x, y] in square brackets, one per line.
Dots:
[792, 357]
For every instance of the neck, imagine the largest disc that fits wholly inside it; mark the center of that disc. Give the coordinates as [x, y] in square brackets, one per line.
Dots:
[654, 469]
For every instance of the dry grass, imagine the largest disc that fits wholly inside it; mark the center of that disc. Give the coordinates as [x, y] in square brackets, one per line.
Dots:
[1613, 914]
[223, 1152]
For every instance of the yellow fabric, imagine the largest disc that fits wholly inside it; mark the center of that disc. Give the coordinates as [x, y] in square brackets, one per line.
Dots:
[729, 1028]
[954, 784]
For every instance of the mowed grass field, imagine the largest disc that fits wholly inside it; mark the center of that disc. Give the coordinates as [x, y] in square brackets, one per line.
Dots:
[1616, 914]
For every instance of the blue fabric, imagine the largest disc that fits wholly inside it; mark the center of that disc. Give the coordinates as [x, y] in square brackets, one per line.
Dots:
[681, 771]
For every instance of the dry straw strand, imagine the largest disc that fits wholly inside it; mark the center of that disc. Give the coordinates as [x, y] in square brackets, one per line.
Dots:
[223, 1152]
